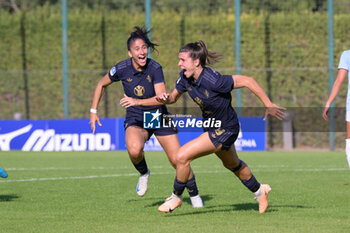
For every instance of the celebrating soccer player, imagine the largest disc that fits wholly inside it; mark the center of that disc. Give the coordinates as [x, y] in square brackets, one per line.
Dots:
[142, 80]
[212, 92]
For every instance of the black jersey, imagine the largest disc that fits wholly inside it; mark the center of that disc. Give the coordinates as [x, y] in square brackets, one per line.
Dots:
[138, 84]
[212, 92]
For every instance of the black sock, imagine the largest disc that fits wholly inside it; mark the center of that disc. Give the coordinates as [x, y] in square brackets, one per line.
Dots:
[141, 167]
[192, 187]
[252, 184]
[179, 187]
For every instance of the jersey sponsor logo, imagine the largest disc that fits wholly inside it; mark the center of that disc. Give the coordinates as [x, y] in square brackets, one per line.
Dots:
[113, 71]
[149, 79]
[151, 119]
[5, 139]
[129, 80]
[139, 90]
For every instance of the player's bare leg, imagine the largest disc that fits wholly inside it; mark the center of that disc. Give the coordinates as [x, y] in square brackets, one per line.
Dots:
[135, 139]
[231, 161]
[171, 145]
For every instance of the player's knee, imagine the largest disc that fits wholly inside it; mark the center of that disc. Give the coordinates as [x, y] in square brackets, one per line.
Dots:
[135, 150]
[181, 158]
[234, 165]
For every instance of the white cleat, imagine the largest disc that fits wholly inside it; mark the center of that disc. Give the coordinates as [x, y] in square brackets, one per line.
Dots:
[170, 204]
[197, 202]
[142, 184]
[261, 197]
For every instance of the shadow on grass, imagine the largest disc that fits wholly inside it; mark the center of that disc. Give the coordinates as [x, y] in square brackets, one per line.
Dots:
[11, 197]
[187, 200]
[235, 207]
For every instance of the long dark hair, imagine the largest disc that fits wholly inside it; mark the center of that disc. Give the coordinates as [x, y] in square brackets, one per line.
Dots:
[140, 33]
[198, 50]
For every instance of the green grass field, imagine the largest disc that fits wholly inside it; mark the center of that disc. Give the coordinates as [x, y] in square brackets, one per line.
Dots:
[95, 192]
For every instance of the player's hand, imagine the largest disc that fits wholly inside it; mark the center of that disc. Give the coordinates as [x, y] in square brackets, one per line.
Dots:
[275, 111]
[325, 112]
[93, 119]
[163, 98]
[128, 101]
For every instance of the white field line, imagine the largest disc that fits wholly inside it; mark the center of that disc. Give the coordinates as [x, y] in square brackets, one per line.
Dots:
[128, 167]
[159, 173]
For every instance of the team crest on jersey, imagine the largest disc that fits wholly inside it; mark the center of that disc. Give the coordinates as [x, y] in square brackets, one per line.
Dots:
[190, 88]
[129, 80]
[112, 71]
[219, 131]
[149, 79]
[206, 92]
[213, 135]
[199, 101]
[139, 90]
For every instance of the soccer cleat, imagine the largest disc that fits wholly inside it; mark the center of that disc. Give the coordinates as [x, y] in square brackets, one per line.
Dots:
[261, 197]
[197, 202]
[142, 184]
[170, 203]
[3, 173]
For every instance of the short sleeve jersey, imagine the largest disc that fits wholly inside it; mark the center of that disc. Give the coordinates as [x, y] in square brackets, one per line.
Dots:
[344, 63]
[212, 92]
[138, 84]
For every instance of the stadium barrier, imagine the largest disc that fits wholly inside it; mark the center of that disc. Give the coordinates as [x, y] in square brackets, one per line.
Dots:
[76, 135]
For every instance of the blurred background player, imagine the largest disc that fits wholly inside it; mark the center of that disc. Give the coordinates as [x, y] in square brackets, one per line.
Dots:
[343, 72]
[3, 173]
[142, 80]
[212, 92]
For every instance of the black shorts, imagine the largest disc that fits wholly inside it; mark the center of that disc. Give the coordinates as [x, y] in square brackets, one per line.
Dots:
[157, 132]
[224, 137]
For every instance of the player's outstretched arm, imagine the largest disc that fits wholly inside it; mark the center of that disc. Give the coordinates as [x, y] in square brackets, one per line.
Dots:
[249, 82]
[342, 73]
[102, 84]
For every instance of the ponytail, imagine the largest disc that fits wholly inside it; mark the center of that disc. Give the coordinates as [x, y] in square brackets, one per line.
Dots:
[198, 50]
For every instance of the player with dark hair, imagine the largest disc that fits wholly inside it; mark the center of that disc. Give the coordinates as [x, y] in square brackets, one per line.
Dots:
[3, 173]
[343, 72]
[142, 80]
[212, 92]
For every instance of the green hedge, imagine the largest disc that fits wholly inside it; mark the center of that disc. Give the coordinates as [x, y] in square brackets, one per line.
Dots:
[291, 49]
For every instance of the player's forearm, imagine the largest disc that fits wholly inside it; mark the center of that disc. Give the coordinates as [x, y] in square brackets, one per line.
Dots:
[334, 93]
[259, 92]
[172, 98]
[148, 102]
[97, 96]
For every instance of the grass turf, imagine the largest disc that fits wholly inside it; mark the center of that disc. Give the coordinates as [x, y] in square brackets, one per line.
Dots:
[95, 192]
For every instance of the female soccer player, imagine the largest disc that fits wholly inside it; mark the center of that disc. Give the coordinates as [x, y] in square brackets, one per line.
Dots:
[212, 92]
[3, 173]
[142, 80]
[343, 72]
